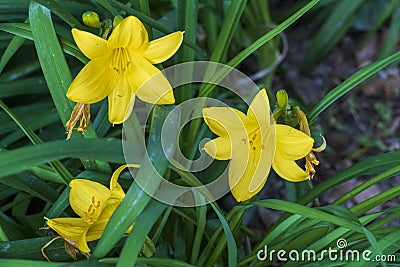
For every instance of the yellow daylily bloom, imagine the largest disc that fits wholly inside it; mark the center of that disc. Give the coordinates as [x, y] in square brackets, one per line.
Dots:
[94, 204]
[254, 142]
[120, 65]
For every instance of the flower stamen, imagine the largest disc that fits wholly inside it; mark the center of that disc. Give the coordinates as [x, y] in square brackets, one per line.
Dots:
[81, 113]
[120, 60]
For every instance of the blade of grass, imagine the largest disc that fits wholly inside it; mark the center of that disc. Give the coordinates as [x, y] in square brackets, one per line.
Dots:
[228, 29]
[257, 44]
[65, 175]
[61, 12]
[187, 11]
[350, 83]
[51, 58]
[21, 159]
[333, 29]
[201, 224]
[11, 49]
[357, 190]
[24, 30]
[371, 165]
[153, 262]
[230, 240]
[137, 236]
[392, 36]
[59, 205]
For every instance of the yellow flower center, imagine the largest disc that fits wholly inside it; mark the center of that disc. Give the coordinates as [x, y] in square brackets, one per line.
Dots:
[254, 142]
[92, 210]
[120, 60]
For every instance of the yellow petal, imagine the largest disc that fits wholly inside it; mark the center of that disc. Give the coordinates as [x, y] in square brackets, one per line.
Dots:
[288, 169]
[121, 100]
[259, 109]
[150, 83]
[82, 243]
[116, 189]
[69, 228]
[163, 48]
[96, 230]
[224, 121]
[249, 168]
[93, 83]
[219, 148]
[129, 33]
[91, 45]
[291, 143]
[88, 198]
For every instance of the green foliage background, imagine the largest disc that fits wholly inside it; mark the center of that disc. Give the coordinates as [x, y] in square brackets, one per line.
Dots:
[38, 62]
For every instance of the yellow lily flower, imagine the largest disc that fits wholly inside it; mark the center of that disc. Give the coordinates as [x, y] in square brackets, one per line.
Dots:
[254, 142]
[120, 65]
[94, 203]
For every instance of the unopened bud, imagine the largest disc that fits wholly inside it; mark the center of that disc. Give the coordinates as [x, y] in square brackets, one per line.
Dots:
[148, 248]
[91, 19]
[282, 98]
[117, 20]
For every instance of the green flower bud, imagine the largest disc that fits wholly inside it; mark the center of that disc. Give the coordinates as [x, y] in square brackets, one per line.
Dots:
[282, 98]
[117, 20]
[148, 248]
[91, 19]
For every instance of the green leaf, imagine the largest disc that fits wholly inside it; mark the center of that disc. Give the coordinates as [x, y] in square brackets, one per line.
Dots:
[228, 29]
[206, 90]
[154, 262]
[381, 177]
[307, 212]
[137, 236]
[368, 166]
[232, 248]
[30, 249]
[32, 185]
[30, 263]
[11, 49]
[61, 12]
[33, 85]
[24, 30]
[21, 159]
[392, 36]
[334, 28]
[350, 83]
[51, 58]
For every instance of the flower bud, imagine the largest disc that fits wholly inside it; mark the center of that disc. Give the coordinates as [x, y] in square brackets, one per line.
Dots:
[148, 248]
[117, 20]
[282, 98]
[91, 19]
